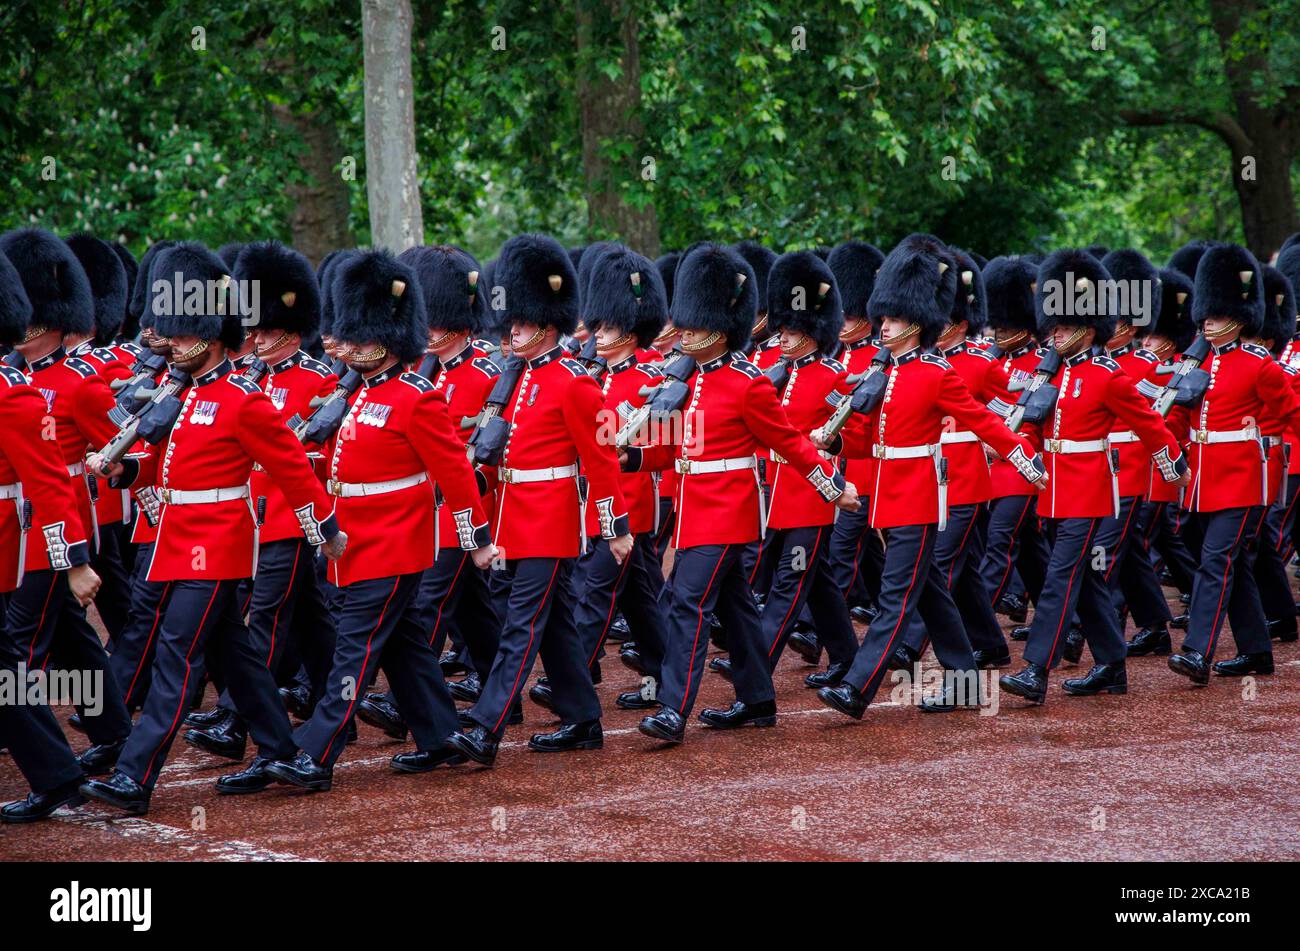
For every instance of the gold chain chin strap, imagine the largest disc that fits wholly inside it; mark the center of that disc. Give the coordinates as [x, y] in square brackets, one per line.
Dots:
[532, 341]
[1074, 338]
[439, 341]
[32, 333]
[376, 354]
[1215, 335]
[704, 344]
[194, 351]
[274, 346]
[620, 342]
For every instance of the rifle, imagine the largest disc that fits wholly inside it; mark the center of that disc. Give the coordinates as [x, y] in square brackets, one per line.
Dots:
[151, 422]
[666, 397]
[779, 373]
[255, 370]
[868, 390]
[328, 412]
[14, 359]
[428, 367]
[1189, 381]
[135, 390]
[491, 432]
[1038, 396]
[596, 365]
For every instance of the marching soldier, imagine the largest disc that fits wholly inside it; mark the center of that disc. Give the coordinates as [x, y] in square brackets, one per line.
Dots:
[1093, 393]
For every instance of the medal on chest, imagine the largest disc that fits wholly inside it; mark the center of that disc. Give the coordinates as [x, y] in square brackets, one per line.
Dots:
[279, 395]
[204, 412]
[374, 414]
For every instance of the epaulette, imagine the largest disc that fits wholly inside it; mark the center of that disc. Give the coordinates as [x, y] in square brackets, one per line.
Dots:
[1146, 354]
[132, 348]
[935, 360]
[651, 370]
[834, 364]
[485, 366]
[242, 382]
[1104, 361]
[975, 351]
[573, 366]
[417, 381]
[1288, 369]
[745, 367]
[104, 355]
[12, 375]
[79, 366]
[315, 366]
[1256, 350]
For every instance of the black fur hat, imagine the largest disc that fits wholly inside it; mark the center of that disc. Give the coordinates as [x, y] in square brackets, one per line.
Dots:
[980, 260]
[15, 308]
[377, 299]
[667, 267]
[971, 303]
[716, 291]
[854, 264]
[1174, 319]
[1131, 267]
[1009, 286]
[575, 255]
[495, 326]
[108, 287]
[917, 283]
[325, 282]
[590, 254]
[452, 284]
[1290, 242]
[760, 259]
[1288, 262]
[138, 312]
[288, 297]
[212, 314]
[1186, 258]
[54, 280]
[802, 295]
[626, 293]
[1279, 309]
[1098, 251]
[1229, 284]
[229, 253]
[1072, 292]
[132, 269]
[539, 282]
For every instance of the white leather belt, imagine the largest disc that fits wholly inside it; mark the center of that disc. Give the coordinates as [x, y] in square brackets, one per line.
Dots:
[14, 491]
[947, 439]
[203, 496]
[348, 490]
[77, 469]
[1211, 436]
[553, 474]
[703, 466]
[1120, 438]
[903, 452]
[1067, 447]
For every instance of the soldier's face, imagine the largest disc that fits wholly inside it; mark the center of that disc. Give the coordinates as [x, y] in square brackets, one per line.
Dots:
[1157, 344]
[528, 340]
[270, 343]
[1067, 340]
[1124, 334]
[39, 345]
[1221, 329]
[897, 332]
[692, 337]
[445, 344]
[190, 354]
[367, 357]
[795, 344]
[608, 338]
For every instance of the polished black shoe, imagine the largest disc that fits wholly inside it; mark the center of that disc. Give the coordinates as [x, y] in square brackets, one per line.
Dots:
[1151, 640]
[251, 780]
[1030, 683]
[666, 725]
[451, 664]
[38, 806]
[904, 657]
[1192, 665]
[843, 698]
[830, 677]
[100, 759]
[992, 659]
[302, 771]
[1180, 621]
[632, 660]
[542, 695]
[120, 791]
[213, 719]
[570, 736]
[1285, 630]
[722, 667]
[864, 613]
[1103, 678]
[717, 634]
[635, 700]
[468, 689]
[1073, 649]
[951, 699]
[806, 645]
[423, 761]
[618, 630]
[741, 714]
[1245, 664]
[297, 700]
[378, 711]
[1020, 633]
[1014, 607]
[351, 735]
[229, 742]
[77, 723]
[477, 744]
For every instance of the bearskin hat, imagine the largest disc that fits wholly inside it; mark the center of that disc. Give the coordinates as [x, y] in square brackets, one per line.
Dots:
[590, 254]
[1279, 309]
[802, 295]
[132, 269]
[229, 252]
[108, 286]
[667, 267]
[1098, 251]
[971, 303]
[716, 291]
[1228, 284]
[1186, 258]
[1174, 318]
[138, 312]
[212, 314]
[575, 255]
[495, 326]
[377, 299]
[854, 264]
[1131, 267]
[1290, 242]
[917, 283]
[1072, 292]
[760, 259]
[15, 308]
[452, 284]
[626, 293]
[287, 297]
[539, 282]
[980, 260]
[1288, 262]
[1009, 286]
[325, 274]
[54, 280]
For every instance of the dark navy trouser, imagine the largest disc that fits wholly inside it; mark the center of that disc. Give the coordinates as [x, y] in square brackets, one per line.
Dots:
[1225, 584]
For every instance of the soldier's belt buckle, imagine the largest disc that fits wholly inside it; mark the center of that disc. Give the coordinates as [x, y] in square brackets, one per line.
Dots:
[779, 459]
[877, 451]
[685, 468]
[166, 495]
[334, 487]
[1203, 436]
[1052, 445]
[506, 475]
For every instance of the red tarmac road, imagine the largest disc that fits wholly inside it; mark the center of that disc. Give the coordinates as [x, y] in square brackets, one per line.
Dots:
[1166, 772]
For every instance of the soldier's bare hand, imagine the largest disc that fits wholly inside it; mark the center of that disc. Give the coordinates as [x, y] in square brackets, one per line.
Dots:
[98, 464]
[848, 499]
[1041, 483]
[818, 438]
[483, 557]
[1185, 479]
[335, 547]
[620, 548]
[84, 584]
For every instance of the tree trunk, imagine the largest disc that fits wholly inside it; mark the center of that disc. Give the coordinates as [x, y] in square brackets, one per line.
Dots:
[392, 185]
[610, 112]
[319, 220]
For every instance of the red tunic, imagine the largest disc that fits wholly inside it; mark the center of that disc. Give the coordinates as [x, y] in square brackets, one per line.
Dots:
[111, 505]
[794, 502]
[1019, 365]
[465, 380]
[969, 477]
[623, 383]
[1137, 364]
[859, 471]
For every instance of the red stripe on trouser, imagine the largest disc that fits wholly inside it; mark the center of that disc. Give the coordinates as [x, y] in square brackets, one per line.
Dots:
[1119, 542]
[1284, 538]
[275, 622]
[36, 634]
[1223, 586]
[185, 685]
[1060, 624]
[795, 600]
[451, 588]
[857, 561]
[523, 661]
[758, 560]
[144, 654]
[952, 565]
[902, 612]
[699, 625]
[359, 684]
[1011, 547]
[609, 616]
